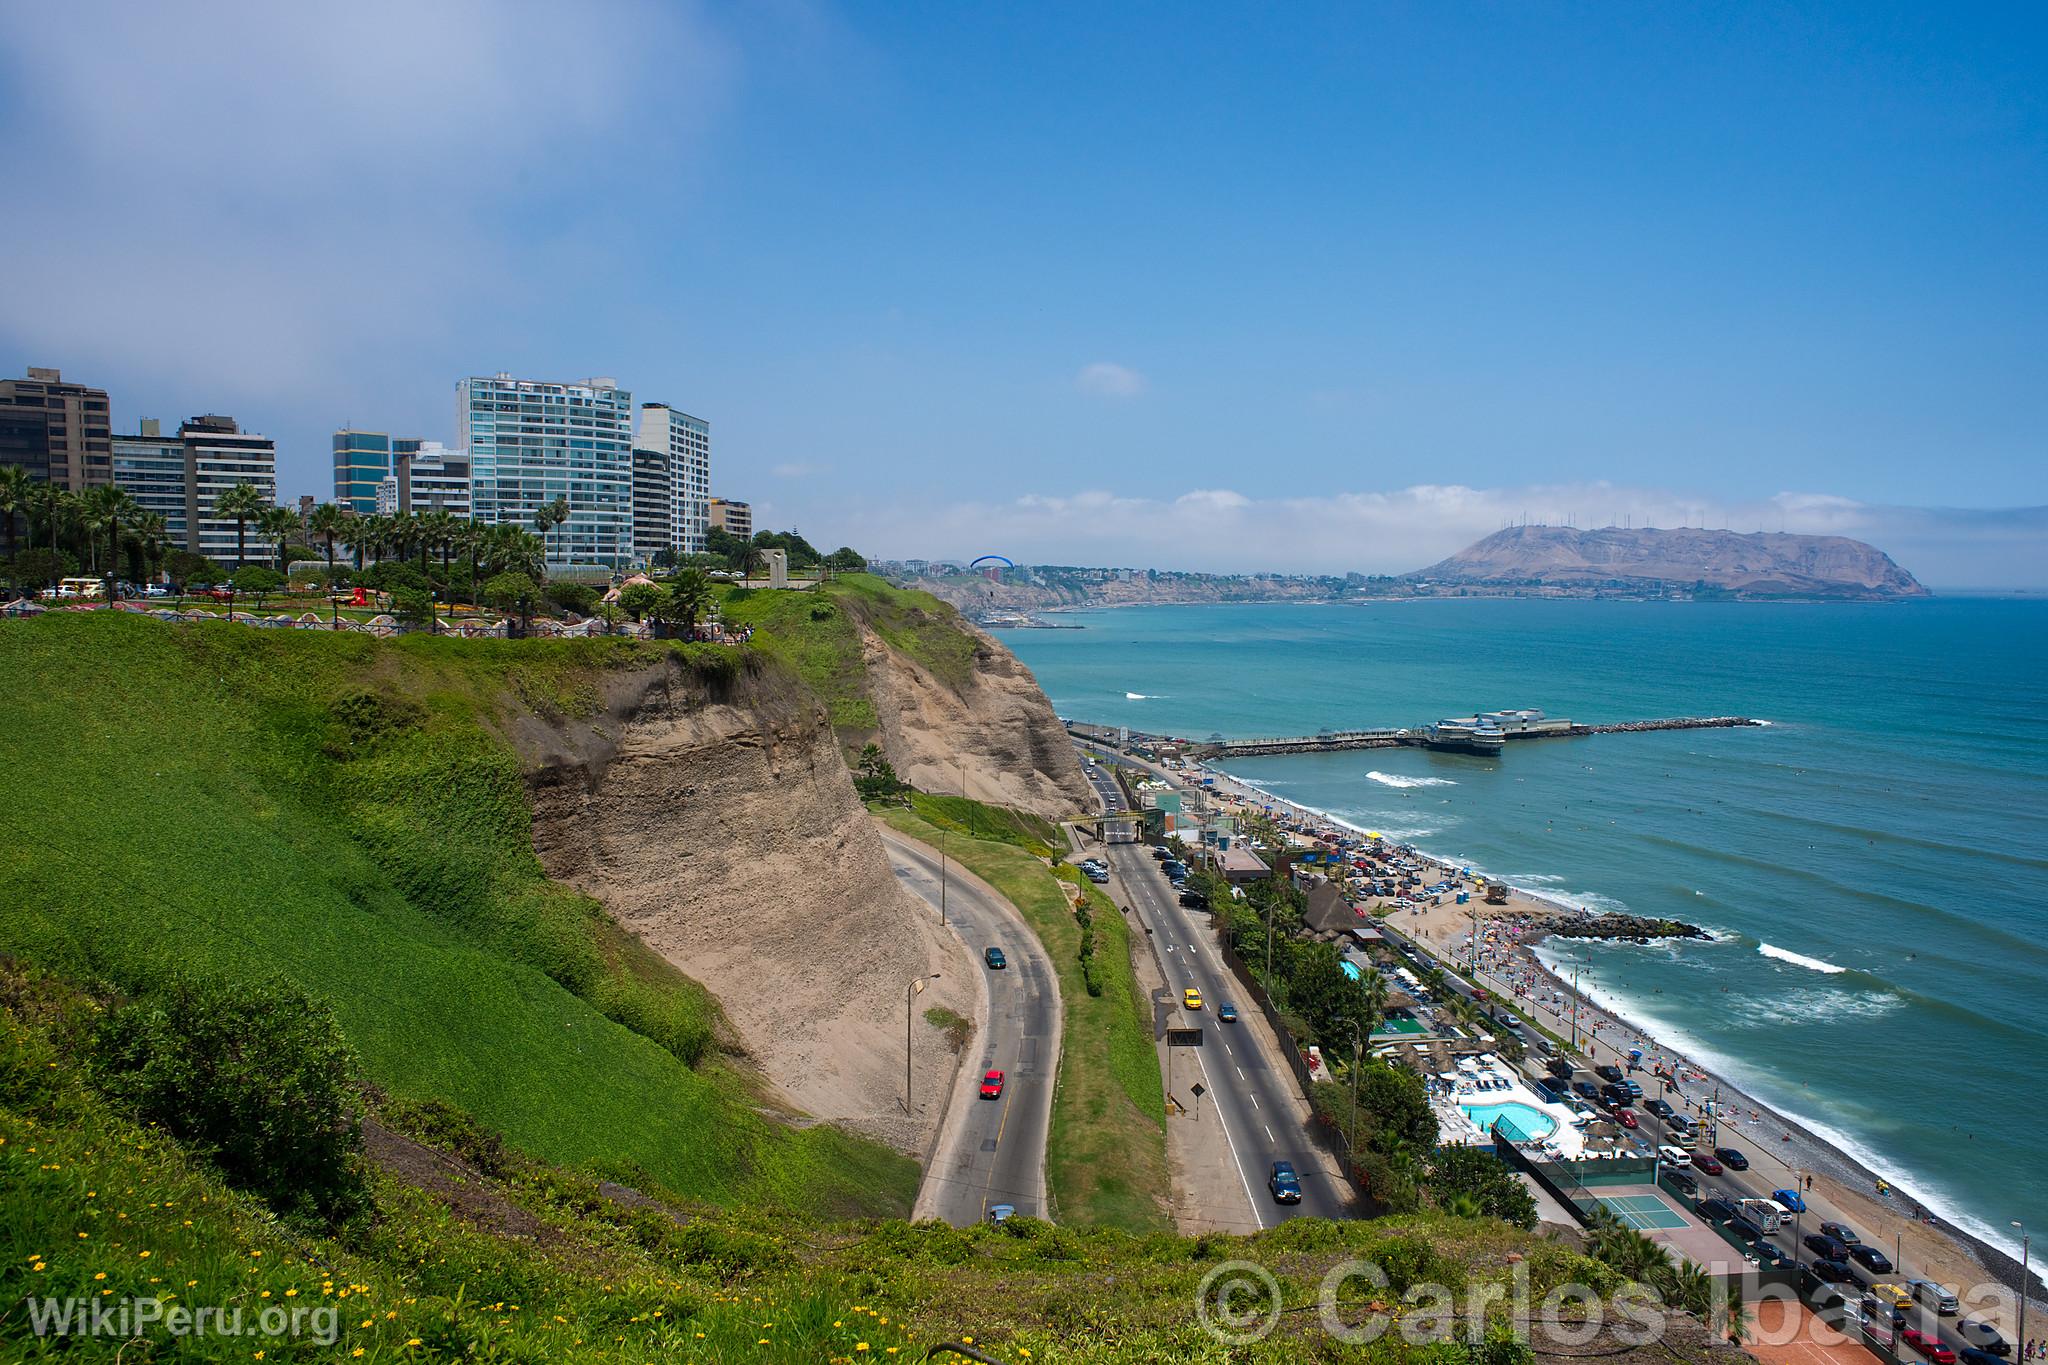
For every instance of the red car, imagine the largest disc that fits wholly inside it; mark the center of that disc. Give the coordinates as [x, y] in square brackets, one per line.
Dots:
[1626, 1118]
[992, 1086]
[1707, 1162]
[1929, 1345]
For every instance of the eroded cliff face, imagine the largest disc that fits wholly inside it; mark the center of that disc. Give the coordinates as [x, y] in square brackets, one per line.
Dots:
[718, 822]
[998, 725]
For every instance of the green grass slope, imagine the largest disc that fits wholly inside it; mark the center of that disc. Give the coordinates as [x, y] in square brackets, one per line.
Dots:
[344, 810]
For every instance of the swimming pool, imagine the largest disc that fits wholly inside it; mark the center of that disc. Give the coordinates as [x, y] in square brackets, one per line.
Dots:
[1528, 1121]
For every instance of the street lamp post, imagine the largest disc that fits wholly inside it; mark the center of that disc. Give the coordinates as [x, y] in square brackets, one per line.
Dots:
[909, 1004]
[2025, 1279]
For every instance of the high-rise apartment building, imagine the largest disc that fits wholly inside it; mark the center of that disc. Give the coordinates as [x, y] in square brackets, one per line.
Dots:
[181, 477]
[74, 448]
[653, 508]
[736, 518]
[684, 442]
[531, 442]
[219, 455]
[151, 467]
[361, 460]
[433, 478]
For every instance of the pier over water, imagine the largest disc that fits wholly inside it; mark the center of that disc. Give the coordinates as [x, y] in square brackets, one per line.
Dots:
[1417, 737]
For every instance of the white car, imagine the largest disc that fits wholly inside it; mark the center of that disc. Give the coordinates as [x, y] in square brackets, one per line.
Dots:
[1674, 1156]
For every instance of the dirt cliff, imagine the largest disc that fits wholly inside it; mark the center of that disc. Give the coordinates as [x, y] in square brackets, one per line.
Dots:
[716, 819]
[992, 732]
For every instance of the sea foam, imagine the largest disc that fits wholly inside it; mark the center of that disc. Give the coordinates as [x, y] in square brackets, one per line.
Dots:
[1812, 964]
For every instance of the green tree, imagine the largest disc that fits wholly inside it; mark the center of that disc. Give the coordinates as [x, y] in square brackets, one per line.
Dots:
[413, 607]
[257, 580]
[241, 504]
[845, 560]
[40, 567]
[577, 598]
[686, 602]
[184, 567]
[638, 599]
[106, 507]
[154, 535]
[15, 485]
[1475, 1176]
[515, 594]
[875, 777]
[280, 524]
[328, 524]
[254, 1074]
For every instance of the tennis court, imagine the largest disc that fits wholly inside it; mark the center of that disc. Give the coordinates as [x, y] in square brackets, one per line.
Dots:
[1643, 1211]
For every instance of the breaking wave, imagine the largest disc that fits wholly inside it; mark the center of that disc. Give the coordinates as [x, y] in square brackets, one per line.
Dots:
[1813, 964]
[1396, 780]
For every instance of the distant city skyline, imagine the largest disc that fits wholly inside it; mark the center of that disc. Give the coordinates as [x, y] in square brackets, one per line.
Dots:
[1328, 291]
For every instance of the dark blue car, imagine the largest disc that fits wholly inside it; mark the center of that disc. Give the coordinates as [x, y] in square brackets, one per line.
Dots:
[1285, 1185]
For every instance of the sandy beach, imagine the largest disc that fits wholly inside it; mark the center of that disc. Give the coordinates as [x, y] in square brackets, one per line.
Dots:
[1502, 943]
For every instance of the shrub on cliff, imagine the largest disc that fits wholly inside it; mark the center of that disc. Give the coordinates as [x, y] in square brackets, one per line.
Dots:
[253, 1074]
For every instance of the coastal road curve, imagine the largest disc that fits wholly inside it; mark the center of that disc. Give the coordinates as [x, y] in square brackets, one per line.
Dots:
[990, 1152]
[1249, 1090]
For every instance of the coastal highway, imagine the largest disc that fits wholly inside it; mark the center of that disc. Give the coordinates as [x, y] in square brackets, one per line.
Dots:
[990, 1152]
[1252, 1094]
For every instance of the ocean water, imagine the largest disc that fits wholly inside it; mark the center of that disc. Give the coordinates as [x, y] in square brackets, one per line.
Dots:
[1874, 862]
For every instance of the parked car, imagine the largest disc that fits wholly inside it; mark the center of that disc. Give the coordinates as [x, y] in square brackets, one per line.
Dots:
[1626, 1118]
[992, 1086]
[1706, 1163]
[1607, 1071]
[1841, 1232]
[1716, 1210]
[1284, 1183]
[1559, 1067]
[1833, 1272]
[1191, 999]
[1586, 1090]
[1929, 1345]
[1096, 875]
[1194, 900]
[994, 958]
[1732, 1158]
[1635, 1090]
[1226, 1013]
[1983, 1336]
[1893, 1294]
[1767, 1214]
[1745, 1229]
[1790, 1199]
[1935, 1296]
[1871, 1259]
[1660, 1108]
[1826, 1247]
[1674, 1156]
[1682, 1181]
[1971, 1355]
[1681, 1124]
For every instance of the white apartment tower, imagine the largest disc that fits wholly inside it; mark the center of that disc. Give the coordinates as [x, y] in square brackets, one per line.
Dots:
[531, 442]
[684, 443]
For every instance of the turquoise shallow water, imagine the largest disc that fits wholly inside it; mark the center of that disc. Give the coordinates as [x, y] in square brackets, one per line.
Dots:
[1876, 860]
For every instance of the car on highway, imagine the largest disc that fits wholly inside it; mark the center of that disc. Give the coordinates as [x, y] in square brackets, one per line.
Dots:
[1194, 900]
[1707, 1163]
[1681, 1125]
[1586, 1090]
[1226, 1013]
[1981, 1335]
[1098, 875]
[1934, 1296]
[1635, 1090]
[994, 958]
[1627, 1118]
[1841, 1232]
[1790, 1199]
[1732, 1158]
[1826, 1247]
[1716, 1210]
[1559, 1067]
[1871, 1259]
[1284, 1183]
[1607, 1071]
[1929, 1345]
[1674, 1156]
[1660, 1108]
[1971, 1355]
[1683, 1182]
[1893, 1294]
[1833, 1272]
[992, 1086]
[1191, 999]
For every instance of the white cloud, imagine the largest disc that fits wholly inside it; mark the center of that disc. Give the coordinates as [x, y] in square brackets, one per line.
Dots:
[799, 469]
[1397, 530]
[1107, 380]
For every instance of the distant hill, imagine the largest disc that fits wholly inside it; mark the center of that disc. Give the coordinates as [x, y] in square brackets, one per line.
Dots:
[1766, 564]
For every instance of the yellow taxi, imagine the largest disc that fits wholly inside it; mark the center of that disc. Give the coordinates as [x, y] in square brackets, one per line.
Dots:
[1191, 998]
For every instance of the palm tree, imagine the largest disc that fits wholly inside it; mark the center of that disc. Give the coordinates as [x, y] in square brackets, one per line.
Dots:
[512, 547]
[329, 523]
[56, 507]
[279, 523]
[14, 498]
[106, 506]
[242, 504]
[154, 533]
[437, 532]
[689, 598]
[469, 537]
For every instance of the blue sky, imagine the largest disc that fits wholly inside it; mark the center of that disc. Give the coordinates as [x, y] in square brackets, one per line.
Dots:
[1203, 287]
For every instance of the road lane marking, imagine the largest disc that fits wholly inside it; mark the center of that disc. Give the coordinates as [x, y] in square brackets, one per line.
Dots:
[1270, 1138]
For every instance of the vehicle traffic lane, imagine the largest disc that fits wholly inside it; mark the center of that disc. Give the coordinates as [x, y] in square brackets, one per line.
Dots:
[1253, 1099]
[991, 1151]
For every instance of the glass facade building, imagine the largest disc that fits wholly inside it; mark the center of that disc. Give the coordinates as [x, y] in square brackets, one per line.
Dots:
[531, 442]
[361, 460]
[684, 444]
[151, 467]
